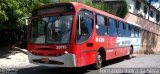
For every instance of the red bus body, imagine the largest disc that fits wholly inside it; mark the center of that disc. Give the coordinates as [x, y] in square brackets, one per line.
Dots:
[74, 54]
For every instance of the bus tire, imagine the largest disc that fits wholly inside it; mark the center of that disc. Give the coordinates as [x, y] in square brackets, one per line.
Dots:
[130, 55]
[98, 63]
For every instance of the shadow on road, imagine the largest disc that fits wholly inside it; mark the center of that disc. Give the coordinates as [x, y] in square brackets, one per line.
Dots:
[49, 70]
[114, 61]
[81, 70]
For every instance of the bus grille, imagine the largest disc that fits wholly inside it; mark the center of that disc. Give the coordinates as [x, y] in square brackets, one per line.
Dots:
[44, 49]
[55, 55]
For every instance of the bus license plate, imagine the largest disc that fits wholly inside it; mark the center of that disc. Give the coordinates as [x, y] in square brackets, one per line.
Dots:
[45, 60]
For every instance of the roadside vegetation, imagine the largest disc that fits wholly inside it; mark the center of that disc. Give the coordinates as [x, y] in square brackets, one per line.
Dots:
[11, 24]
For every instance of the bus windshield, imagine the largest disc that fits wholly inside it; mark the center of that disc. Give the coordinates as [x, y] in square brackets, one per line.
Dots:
[51, 30]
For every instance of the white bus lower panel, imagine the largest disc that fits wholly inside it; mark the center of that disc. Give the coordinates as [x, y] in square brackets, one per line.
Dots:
[66, 60]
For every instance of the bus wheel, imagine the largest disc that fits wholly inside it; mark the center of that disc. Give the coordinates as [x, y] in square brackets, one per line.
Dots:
[98, 61]
[130, 55]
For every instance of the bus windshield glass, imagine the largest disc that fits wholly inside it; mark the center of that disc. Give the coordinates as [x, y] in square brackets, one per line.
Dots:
[51, 30]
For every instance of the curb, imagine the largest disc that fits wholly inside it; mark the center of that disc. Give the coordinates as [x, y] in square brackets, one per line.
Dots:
[22, 50]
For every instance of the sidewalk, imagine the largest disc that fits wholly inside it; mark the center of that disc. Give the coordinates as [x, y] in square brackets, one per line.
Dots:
[13, 58]
[22, 50]
[14, 61]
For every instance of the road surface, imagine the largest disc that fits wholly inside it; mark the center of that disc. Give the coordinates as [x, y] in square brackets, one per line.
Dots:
[18, 64]
[144, 61]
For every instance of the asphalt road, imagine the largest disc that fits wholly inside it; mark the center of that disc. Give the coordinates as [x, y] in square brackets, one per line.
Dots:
[143, 61]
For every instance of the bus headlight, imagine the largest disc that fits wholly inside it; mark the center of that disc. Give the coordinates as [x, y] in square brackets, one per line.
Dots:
[66, 52]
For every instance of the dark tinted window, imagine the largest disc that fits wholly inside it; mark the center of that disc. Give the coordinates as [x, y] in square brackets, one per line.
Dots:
[136, 30]
[127, 31]
[132, 31]
[101, 25]
[139, 32]
[84, 26]
[130, 27]
[112, 27]
[124, 26]
[120, 29]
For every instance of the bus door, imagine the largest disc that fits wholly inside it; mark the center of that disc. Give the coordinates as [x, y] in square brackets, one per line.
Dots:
[84, 37]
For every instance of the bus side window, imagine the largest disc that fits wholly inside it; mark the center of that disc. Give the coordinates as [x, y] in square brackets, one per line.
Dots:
[101, 25]
[84, 26]
[120, 29]
[132, 31]
[127, 31]
[136, 31]
[139, 32]
[112, 27]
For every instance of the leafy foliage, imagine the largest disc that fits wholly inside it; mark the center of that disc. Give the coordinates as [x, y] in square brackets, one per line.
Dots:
[124, 9]
[101, 6]
[11, 12]
[104, 7]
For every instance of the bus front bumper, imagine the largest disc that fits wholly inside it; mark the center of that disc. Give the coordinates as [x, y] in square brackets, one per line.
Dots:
[65, 60]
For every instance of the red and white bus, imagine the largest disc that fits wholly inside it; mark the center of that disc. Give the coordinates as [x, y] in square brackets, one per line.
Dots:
[76, 35]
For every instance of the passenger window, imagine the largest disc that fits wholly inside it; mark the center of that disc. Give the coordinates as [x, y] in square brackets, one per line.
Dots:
[84, 26]
[139, 32]
[101, 26]
[124, 26]
[112, 27]
[100, 20]
[132, 31]
[127, 31]
[136, 32]
[120, 29]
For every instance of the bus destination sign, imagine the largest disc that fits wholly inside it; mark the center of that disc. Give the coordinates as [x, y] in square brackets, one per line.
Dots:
[54, 9]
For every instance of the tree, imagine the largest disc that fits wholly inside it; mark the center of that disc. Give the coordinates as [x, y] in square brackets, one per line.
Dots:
[99, 5]
[123, 10]
[11, 12]
[105, 6]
